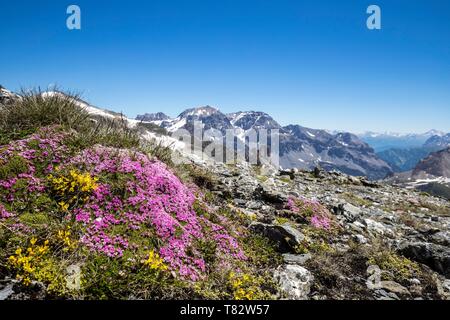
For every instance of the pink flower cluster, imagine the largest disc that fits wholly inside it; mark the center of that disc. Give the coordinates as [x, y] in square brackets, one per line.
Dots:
[133, 194]
[319, 215]
[154, 197]
[4, 214]
[44, 148]
[321, 222]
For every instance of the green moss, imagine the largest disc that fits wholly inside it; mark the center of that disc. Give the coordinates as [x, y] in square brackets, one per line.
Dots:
[260, 251]
[355, 200]
[281, 220]
[261, 178]
[400, 268]
[35, 219]
[286, 179]
[15, 165]
[106, 278]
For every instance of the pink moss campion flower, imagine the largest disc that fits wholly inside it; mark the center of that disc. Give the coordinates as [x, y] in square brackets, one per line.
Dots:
[134, 194]
[155, 197]
[320, 222]
[316, 213]
[292, 206]
[4, 214]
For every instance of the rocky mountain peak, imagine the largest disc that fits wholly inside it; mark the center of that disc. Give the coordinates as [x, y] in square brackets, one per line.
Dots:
[158, 116]
[252, 120]
[437, 164]
[200, 112]
[438, 141]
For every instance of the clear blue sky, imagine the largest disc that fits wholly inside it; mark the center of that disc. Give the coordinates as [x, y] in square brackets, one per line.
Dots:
[311, 62]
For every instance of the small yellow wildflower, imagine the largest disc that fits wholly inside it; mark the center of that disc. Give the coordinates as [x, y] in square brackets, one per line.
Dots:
[72, 186]
[24, 262]
[64, 236]
[245, 287]
[155, 262]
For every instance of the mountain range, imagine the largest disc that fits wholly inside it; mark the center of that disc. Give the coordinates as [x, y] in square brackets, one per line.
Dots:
[300, 147]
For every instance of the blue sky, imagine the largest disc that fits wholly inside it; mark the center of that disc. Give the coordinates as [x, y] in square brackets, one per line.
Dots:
[312, 63]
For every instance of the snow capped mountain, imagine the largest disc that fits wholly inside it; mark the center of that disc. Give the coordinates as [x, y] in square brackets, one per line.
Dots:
[200, 112]
[385, 134]
[252, 120]
[86, 106]
[210, 117]
[300, 147]
[438, 141]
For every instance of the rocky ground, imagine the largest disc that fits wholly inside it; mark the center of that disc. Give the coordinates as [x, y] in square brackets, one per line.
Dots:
[385, 243]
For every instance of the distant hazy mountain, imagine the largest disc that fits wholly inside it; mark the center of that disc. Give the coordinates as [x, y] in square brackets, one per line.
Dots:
[402, 160]
[438, 141]
[300, 147]
[403, 151]
[384, 141]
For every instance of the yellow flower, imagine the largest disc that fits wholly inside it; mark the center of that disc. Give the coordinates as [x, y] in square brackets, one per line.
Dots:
[25, 262]
[155, 262]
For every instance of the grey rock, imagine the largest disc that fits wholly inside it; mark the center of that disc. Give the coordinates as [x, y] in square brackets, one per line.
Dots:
[273, 196]
[384, 295]
[435, 256]
[348, 211]
[6, 291]
[442, 238]
[254, 205]
[359, 238]
[294, 281]
[299, 259]
[240, 202]
[394, 287]
[285, 237]
[375, 227]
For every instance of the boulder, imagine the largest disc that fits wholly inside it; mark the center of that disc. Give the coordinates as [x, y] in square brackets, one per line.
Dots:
[435, 256]
[299, 259]
[6, 291]
[348, 211]
[285, 237]
[375, 226]
[294, 281]
[273, 196]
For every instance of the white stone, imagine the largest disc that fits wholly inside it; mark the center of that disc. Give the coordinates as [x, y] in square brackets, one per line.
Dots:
[295, 281]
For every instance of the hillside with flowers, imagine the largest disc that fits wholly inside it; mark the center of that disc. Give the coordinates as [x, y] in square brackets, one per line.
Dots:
[119, 217]
[90, 208]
